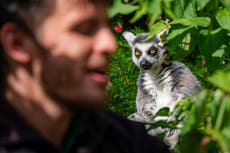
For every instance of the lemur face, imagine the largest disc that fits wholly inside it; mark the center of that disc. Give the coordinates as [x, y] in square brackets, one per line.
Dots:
[146, 54]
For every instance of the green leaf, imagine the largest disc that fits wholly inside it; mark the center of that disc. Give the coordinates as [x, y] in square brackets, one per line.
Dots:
[214, 104]
[160, 123]
[167, 7]
[184, 8]
[177, 7]
[190, 143]
[186, 47]
[157, 28]
[223, 18]
[189, 121]
[186, 104]
[120, 8]
[201, 106]
[198, 21]
[220, 52]
[226, 138]
[214, 45]
[202, 3]
[221, 79]
[226, 3]
[154, 10]
[190, 9]
[220, 115]
[175, 37]
[218, 137]
[163, 112]
[142, 10]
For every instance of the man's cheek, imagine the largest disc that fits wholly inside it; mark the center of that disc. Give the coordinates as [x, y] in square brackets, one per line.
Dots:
[60, 71]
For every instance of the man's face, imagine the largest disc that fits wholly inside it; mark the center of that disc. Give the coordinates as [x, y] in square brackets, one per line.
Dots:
[76, 43]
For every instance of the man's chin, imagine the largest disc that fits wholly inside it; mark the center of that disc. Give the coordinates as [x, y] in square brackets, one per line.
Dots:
[83, 101]
[90, 105]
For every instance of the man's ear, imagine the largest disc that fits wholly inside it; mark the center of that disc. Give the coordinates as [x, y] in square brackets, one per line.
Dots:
[13, 41]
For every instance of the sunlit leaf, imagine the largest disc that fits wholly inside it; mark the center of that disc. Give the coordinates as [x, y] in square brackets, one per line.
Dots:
[202, 3]
[226, 3]
[189, 9]
[154, 10]
[167, 7]
[120, 8]
[198, 21]
[184, 8]
[177, 8]
[221, 79]
[157, 28]
[220, 52]
[223, 18]
[142, 10]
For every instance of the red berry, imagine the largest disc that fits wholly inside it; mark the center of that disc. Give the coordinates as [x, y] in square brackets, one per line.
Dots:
[203, 61]
[118, 28]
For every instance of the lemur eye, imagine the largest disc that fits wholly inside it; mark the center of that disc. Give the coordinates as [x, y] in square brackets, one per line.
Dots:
[137, 53]
[152, 51]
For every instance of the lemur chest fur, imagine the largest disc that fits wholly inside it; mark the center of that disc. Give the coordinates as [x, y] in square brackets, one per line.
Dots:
[158, 86]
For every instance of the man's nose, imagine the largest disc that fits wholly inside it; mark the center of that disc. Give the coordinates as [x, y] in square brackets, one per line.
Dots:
[105, 41]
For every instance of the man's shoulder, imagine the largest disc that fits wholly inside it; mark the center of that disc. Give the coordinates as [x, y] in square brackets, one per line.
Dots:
[120, 122]
[131, 132]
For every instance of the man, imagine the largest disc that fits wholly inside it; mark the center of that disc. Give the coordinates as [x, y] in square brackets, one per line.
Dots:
[54, 56]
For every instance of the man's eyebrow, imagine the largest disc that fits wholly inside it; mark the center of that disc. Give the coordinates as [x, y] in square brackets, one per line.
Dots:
[92, 19]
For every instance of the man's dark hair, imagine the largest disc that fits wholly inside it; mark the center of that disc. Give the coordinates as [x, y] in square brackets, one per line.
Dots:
[25, 14]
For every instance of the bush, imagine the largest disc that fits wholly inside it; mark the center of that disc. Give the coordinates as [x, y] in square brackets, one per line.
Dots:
[199, 37]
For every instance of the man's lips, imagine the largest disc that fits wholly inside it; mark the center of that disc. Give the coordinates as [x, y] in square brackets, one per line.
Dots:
[98, 71]
[99, 77]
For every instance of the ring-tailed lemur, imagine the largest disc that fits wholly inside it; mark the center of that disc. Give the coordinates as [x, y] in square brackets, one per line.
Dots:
[159, 84]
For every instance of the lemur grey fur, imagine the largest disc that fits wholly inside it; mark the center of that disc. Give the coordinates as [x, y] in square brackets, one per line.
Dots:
[159, 85]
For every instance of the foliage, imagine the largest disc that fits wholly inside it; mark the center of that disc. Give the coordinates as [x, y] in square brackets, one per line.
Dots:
[190, 22]
[206, 123]
[198, 35]
[123, 74]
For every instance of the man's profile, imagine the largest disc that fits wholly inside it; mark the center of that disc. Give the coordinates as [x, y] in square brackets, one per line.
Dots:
[54, 56]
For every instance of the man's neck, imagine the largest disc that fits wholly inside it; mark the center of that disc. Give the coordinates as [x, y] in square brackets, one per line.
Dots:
[48, 117]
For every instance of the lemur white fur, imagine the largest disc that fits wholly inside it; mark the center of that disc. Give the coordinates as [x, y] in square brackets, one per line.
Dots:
[159, 85]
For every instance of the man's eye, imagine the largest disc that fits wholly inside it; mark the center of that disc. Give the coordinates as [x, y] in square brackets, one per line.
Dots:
[87, 30]
[137, 53]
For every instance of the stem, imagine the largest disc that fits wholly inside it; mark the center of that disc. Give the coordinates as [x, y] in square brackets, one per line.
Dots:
[220, 115]
[217, 137]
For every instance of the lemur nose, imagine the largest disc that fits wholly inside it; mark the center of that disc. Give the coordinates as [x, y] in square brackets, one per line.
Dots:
[145, 64]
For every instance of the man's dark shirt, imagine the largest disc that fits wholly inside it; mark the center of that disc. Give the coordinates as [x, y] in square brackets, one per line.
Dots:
[90, 132]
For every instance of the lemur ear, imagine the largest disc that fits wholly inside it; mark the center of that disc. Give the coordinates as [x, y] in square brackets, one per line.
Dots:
[162, 37]
[129, 37]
